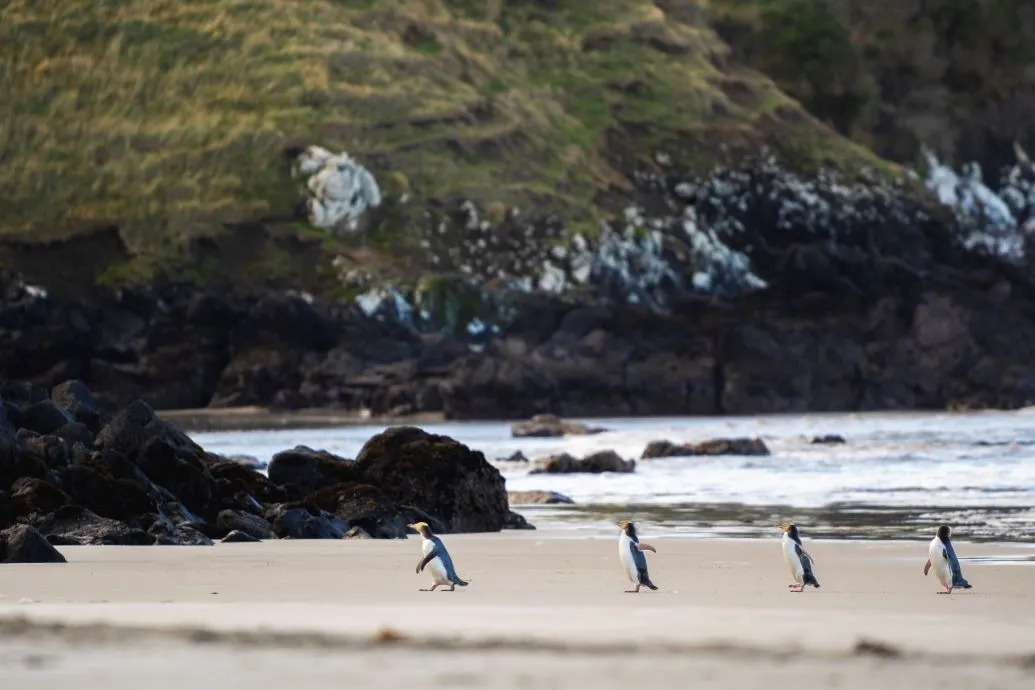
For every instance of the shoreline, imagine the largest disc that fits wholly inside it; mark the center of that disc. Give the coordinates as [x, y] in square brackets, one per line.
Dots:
[256, 418]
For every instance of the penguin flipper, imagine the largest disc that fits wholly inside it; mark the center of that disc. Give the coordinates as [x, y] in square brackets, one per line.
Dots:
[927, 567]
[430, 556]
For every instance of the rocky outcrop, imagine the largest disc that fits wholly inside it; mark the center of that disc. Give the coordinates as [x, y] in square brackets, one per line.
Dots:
[24, 544]
[551, 426]
[594, 463]
[140, 480]
[538, 498]
[718, 446]
[828, 440]
[438, 475]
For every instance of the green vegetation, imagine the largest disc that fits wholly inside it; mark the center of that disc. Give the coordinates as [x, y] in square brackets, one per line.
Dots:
[170, 119]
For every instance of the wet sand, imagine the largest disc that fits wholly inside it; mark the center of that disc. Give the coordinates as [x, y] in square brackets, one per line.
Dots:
[541, 611]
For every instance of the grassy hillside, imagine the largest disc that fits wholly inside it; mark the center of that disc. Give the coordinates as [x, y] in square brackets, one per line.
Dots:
[167, 122]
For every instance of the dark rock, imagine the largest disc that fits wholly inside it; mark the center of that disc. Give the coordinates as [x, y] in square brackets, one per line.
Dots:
[438, 475]
[537, 497]
[516, 456]
[237, 485]
[236, 521]
[24, 544]
[74, 524]
[48, 451]
[165, 533]
[364, 506]
[236, 537]
[108, 496]
[719, 446]
[551, 426]
[595, 463]
[32, 498]
[76, 432]
[516, 521]
[305, 470]
[77, 399]
[44, 417]
[828, 440]
[182, 474]
[248, 461]
[305, 523]
[23, 394]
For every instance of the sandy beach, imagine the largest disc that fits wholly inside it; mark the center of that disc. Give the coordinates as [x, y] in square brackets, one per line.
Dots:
[541, 608]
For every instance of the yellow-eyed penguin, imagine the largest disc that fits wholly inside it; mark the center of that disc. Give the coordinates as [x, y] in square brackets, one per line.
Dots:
[938, 558]
[797, 558]
[436, 559]
[630, 551]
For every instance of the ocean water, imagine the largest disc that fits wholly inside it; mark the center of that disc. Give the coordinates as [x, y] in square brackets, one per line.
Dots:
[898, 475]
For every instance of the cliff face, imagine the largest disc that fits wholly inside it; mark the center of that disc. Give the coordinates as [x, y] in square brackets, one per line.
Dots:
[587, 207]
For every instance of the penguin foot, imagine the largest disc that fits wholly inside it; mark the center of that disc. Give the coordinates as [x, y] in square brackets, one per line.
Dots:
[429, 589]
[452, 588]
[633, 591]
[947, 591]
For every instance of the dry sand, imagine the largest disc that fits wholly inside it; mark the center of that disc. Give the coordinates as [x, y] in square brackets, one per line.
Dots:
[542, 610]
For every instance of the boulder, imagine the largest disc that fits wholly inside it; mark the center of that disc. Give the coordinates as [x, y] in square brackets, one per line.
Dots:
[44, 417]
[551, 426]
[104, 494]
[594, 463]
[438, 475]
[366, 507]
[516, 457]
[828, 440]
[77, 525]
[76, 398]
[303, 470]
[184, 475]
[165, 532]
[24, 544]
[237, 521]
[719, 446]
[238, 537]
[31, 498]
[356, 533]
[249, 461]
[305, 522]
[516, 498]
[516, 521]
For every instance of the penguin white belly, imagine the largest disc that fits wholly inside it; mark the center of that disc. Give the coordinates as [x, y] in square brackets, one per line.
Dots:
[625, 547]
[939, 563]
[790, 555]
[435, 565]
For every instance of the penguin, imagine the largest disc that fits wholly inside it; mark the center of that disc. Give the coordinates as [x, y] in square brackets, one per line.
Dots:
[798, 559]
[942, 558]
[630, 551]
[436, 559]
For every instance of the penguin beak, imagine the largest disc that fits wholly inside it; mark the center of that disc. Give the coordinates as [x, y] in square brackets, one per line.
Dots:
[410, 527]
[784, 526]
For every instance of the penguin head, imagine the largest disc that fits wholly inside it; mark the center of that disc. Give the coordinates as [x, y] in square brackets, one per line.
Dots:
[944, 532]
[422, 528]
[627, 527]
[791, 530]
